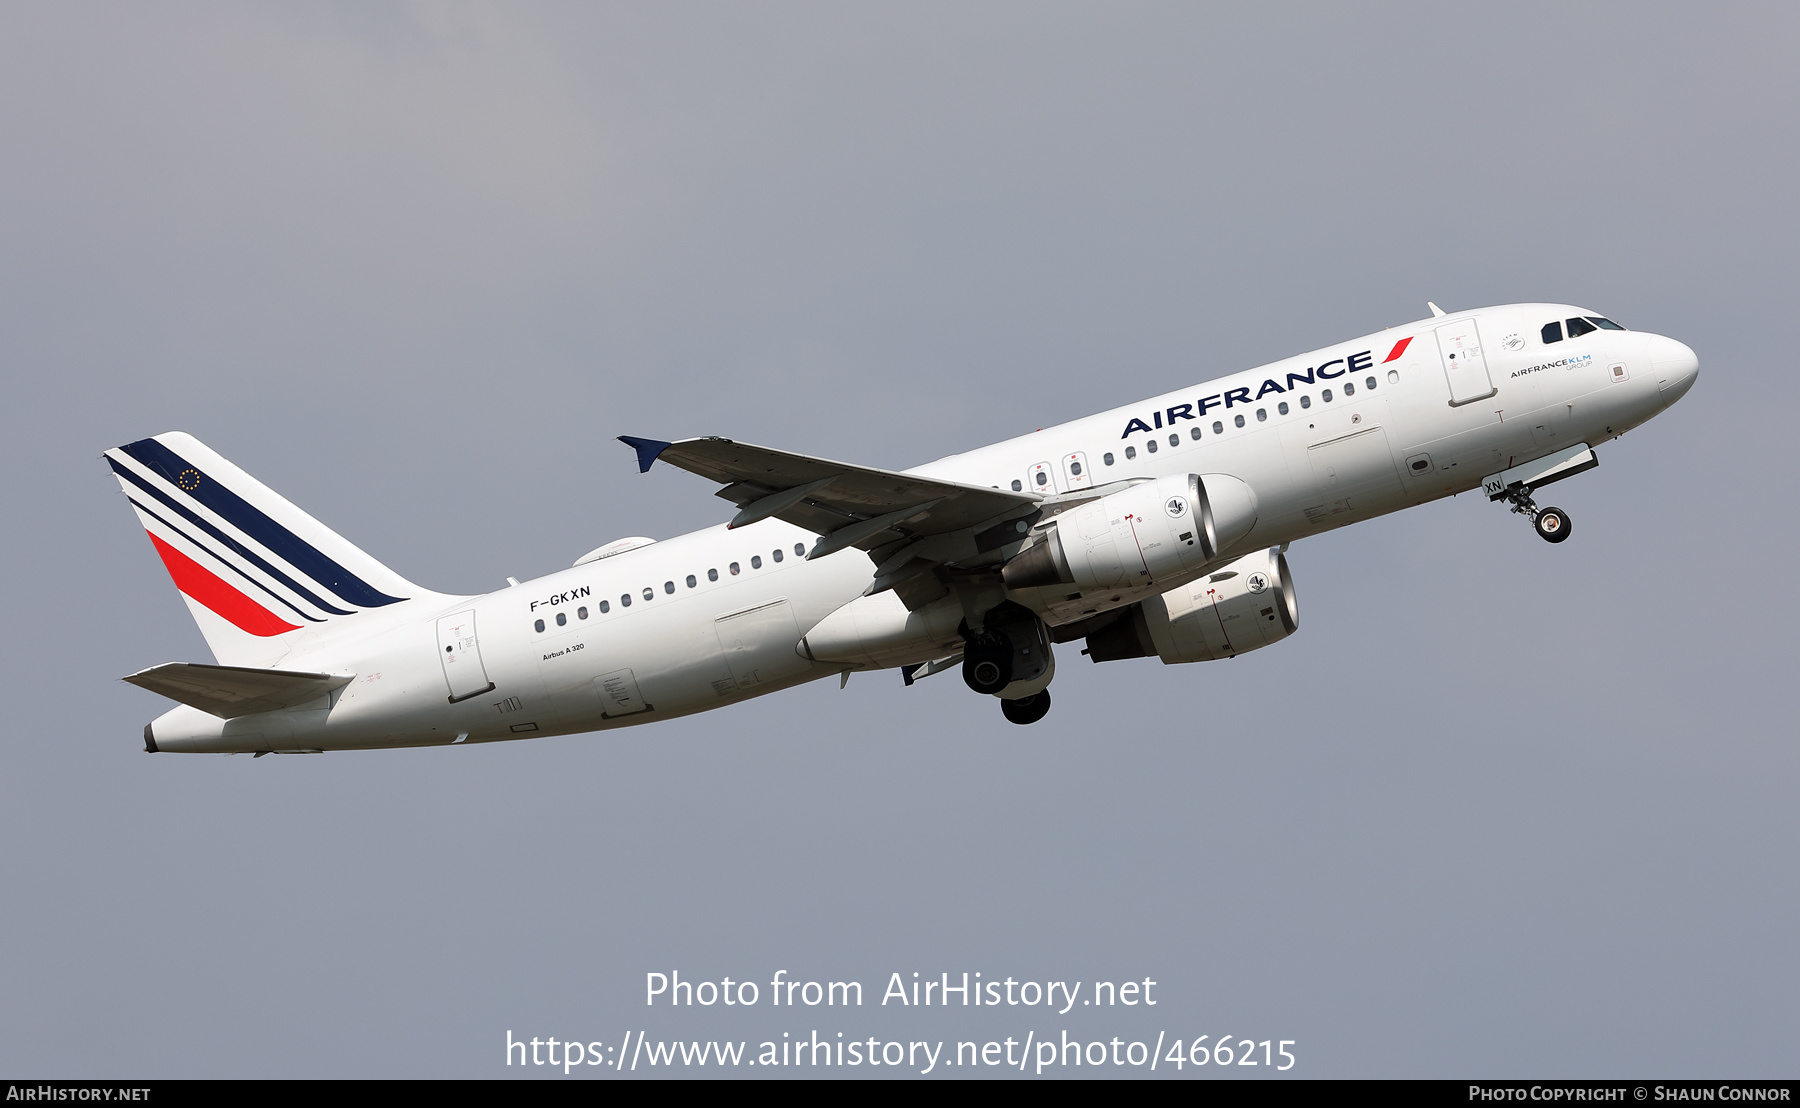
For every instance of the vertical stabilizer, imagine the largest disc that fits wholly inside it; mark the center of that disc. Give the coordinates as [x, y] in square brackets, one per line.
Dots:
[258, 573]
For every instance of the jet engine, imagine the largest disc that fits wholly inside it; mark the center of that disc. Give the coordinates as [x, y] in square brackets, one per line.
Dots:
[1244, 606]
[1143, 534]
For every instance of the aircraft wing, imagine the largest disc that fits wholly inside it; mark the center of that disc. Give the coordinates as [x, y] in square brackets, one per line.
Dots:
[846, 505]
[232, 691]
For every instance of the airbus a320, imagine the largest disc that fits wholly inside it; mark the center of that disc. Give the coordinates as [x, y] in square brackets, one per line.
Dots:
[1154, 530]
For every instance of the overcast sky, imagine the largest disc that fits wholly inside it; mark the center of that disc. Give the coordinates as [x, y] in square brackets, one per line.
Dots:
[1499, 808]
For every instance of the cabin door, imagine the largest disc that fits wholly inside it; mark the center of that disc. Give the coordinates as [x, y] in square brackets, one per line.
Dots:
[1465, 367]
[460, 652]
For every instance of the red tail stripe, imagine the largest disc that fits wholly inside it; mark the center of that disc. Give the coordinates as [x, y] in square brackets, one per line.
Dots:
[1399, 349]
[209, 589]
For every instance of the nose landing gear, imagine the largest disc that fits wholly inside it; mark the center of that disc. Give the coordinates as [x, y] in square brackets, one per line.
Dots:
[1516, 485]
[1551, 524]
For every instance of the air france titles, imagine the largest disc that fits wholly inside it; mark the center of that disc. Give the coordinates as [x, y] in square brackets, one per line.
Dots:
[1230, 398]
[1574, 361]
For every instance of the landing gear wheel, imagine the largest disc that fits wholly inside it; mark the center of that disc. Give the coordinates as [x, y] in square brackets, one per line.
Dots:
[1026, 709]
[1553, 525]
[987, 665]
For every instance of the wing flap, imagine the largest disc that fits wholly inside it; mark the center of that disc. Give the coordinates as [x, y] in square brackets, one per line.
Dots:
[232, 691]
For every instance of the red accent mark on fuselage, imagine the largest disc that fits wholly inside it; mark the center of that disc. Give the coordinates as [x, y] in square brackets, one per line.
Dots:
[1399, 349]
[208, 588]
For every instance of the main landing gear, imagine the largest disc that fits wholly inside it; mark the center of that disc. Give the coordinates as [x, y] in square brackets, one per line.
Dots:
[1011, 659]
[1551, 524]
[1027, 709]
[987, 663]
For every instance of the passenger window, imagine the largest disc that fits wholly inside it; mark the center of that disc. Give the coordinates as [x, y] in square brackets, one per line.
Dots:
[669, 587]
[1306, 401]
[605, 607]
[776, 554]
[1369, 383]
[539, 625]
[1074, 469]
[1262, 415]
[1194, 432]
[1174, 440]
[562, 619]
[734, 569]
[1107, 458]
[1042, 478]
[581, 612]
[1604, 323]
[799, 550]
[1552, 332]
[649, 594]
[1579, 327]
[1325, 396]
[1282, 407]
[624, 600]
[691, 581]
[1130, 452]
[1218, 428]
[1018, 486]
[756, 561]
[1238, 421]
[1150, 446]
[1349, 388]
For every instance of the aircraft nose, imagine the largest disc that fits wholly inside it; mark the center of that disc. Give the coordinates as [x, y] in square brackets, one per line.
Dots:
[1675, 366]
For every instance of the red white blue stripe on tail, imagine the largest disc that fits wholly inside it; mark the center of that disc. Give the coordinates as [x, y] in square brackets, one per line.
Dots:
[241, 552]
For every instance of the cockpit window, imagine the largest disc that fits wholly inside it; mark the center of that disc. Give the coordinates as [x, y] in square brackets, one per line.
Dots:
[1579, 327]
[1552, 332]
[1603, 323]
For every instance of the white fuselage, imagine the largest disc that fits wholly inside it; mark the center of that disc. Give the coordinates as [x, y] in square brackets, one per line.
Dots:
[1378, 432]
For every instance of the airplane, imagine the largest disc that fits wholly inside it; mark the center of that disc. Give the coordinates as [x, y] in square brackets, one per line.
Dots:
[1154, 530]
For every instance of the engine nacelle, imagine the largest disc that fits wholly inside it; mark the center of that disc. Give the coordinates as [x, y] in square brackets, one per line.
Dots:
[1158, 529]
[1247, 605]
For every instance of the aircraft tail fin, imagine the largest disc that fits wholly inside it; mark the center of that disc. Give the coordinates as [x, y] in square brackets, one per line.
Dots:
[257, 573]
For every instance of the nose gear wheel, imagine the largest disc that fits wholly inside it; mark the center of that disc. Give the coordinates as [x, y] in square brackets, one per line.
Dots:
[1551, 524]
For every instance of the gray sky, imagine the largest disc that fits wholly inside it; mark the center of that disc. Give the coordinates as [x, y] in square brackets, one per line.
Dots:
[1500, 808]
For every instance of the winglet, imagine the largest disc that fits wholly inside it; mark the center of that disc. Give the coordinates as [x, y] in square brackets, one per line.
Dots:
[647, 450]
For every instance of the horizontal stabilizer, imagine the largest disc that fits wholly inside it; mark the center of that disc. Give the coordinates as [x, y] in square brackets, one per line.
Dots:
[232, 691]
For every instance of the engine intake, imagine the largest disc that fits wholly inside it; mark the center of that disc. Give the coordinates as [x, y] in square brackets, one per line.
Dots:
[1141, 535]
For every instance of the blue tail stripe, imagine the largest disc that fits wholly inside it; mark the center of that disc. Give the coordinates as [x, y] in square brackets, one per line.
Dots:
[230, 543]
[247, 518]
[144, 508]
